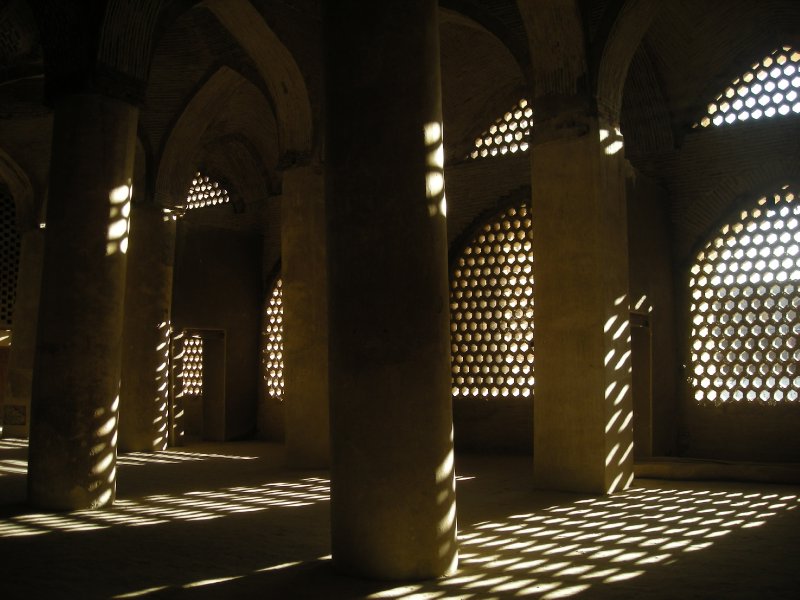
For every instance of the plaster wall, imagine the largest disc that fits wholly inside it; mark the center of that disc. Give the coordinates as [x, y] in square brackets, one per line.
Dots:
[218, 286]
[651, 293]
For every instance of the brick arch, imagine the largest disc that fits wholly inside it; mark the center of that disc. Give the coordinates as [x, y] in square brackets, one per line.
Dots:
[176, 168]
[127, 39]
[557, 47]
[619, 46]
[279, 71]
[735, 191]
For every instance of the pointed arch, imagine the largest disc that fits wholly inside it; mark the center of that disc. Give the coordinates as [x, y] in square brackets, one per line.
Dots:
[768, 88]
[491, 308]
[176, 169]
[621, 43]
[278, 69]
[744, 297]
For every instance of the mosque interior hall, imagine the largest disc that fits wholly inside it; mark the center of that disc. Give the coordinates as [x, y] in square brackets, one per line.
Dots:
[467, 299]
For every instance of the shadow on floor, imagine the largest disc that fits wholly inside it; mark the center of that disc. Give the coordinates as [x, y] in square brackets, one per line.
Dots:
[228, 521]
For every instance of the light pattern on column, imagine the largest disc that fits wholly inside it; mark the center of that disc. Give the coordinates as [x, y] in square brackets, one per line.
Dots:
[509, 133]
[272, 353]
[768, 88]
[745, 297]
[9, 258]
[491, 310]
[205, 192]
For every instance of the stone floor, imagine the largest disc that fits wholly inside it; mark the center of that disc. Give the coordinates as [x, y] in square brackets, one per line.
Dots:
[226, 521]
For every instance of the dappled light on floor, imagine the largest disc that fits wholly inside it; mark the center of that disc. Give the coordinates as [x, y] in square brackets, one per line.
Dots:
[164, 508]
[568, 549]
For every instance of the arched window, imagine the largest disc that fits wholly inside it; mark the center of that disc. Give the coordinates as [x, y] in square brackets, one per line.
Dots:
[768, 88]
[9, 257]
[509, 133]
[744, 300]
[491, 316]
[205, 192]
[272, 352]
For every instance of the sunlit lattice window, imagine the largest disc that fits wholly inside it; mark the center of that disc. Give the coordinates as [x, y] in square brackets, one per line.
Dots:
[744, 304]
[9, 258]
[491, 310]
[272, 354]
[192, 372]
[205, 192]
[769, 88]
[509, 133]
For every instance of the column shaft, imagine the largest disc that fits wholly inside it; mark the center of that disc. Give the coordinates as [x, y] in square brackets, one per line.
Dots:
[393, 495]
[145, 388]
[75, 394]
[305, 318]
[582, 404]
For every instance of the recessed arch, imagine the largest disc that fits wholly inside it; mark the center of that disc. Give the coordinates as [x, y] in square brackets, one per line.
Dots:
[177, 169]
[744, 298]
[491, 308]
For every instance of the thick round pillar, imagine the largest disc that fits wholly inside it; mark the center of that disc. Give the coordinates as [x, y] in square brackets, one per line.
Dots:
[305, 318]
[75, 393]
[392, 496]
[583, 439]
[144, 394]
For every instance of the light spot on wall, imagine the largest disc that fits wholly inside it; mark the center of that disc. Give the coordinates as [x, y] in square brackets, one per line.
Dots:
[119, 213]
[744, 293]
[611, 140]
[491, 310]
[769, 88]
[510, 133]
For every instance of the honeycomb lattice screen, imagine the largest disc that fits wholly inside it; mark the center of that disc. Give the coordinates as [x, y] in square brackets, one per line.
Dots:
[768, 89]
[192, 372]
[205, 192]
[510, 133]
[744, 304]
[491, 310]
[272, 353]
[9, 260]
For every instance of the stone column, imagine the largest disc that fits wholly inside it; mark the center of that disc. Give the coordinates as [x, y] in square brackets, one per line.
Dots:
[75, 394]
[393, 495]
[145, 388]
[305, 318]
[582, 400]
[23, 344]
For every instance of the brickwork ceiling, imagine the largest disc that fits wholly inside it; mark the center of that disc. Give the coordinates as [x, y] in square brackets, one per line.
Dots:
[691, 51]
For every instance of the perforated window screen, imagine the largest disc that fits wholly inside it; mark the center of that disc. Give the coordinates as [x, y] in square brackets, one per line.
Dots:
[744, 301]
[509, 133]
[205, 192]
[491, 310]
[192, 371]
[9, 258]
[272, 353]
[768, 89]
